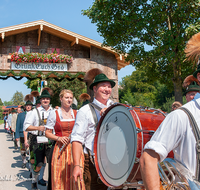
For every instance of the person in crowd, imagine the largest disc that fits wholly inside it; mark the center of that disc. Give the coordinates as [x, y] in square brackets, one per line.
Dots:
[84, 132]
[35, 124]
[5, 121]
[191, 84]
[62, 122]
[13, 127]
[9, 120]
[19, 110]
[176, 105]
[40, 177]
[21, 135]
[191, 91]
[182, 141]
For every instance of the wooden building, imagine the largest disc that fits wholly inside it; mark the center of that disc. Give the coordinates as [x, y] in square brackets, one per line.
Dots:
[43, 37]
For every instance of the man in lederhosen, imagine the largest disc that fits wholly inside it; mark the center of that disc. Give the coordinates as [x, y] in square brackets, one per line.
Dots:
[84, 133]
[21, 135]
[34, 124]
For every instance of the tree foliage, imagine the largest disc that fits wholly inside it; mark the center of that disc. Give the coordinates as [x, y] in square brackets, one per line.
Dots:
[136, 90]
[132, 25]
[7, 103]
[18, 98]
[1, 112]
[1, 103]
[76, 86]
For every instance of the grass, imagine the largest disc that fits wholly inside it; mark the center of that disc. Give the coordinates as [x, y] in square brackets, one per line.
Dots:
[1, 122]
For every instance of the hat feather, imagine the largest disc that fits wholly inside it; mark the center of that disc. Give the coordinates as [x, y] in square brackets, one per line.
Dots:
[28, 97]
[49, 90]
[35, 93]
[192, 49]
[91, 74]
[84, 97]
[188, 80]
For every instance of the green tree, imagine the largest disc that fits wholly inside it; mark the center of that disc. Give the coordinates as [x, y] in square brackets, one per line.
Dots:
[7, 103]
[131, 25]
[1, 113]
[1, 110]
[1, 103]
[136, 90]
[18, 98]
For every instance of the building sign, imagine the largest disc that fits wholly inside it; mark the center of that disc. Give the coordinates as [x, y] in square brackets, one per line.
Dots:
[39, 66]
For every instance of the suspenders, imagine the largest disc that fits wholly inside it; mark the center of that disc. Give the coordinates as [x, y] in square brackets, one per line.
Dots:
[92, 108]
[197, 137]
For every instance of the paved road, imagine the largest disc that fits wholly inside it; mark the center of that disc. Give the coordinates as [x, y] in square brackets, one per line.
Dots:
[11, 173]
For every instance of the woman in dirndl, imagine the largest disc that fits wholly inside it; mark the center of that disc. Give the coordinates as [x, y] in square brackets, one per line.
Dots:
[58, 128]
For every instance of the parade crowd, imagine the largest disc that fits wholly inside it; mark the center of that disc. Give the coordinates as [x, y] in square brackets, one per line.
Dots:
[63, 137]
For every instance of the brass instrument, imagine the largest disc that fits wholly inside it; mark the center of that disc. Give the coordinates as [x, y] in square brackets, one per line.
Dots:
[173, 176]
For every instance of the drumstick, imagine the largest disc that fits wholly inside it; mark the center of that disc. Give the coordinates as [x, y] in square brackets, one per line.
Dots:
[79, 183]
[63, 146]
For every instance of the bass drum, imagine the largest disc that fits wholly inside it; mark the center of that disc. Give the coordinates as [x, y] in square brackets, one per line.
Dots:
[120, 137]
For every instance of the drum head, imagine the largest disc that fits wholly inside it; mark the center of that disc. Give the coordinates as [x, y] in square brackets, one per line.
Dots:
[115, 146]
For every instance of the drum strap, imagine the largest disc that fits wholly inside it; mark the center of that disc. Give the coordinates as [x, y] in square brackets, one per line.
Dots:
[196, 132]
[92, 108]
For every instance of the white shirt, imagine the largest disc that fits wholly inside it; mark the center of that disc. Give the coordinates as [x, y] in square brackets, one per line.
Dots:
[51, 120]
[9, 119]
[175, 133]
[33, 119]
[84, 128]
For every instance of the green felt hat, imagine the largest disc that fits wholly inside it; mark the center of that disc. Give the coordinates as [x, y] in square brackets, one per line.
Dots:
[29, 103]
[192, 87]
[14, 111]
[85, 102]
[198, 70]
[45, 94]
[101, 78]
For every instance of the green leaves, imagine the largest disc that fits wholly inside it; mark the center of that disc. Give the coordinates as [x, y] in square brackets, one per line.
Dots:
[166, 26]
[18, 98]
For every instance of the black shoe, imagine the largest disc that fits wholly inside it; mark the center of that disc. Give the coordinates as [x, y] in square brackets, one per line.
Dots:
[34, 186]
[42, 182]
[30, 175]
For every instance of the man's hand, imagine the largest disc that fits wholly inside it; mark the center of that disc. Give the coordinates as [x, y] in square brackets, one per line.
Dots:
[26, 144]
[102, 111]
[77, 174]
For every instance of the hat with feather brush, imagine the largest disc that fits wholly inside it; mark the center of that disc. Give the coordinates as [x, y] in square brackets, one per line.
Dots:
[29, 99]
[46, 93]
[37, 96]
[191, 84]
[84, 98]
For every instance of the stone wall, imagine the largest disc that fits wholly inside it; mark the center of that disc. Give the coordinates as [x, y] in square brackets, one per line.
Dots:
[85, 58]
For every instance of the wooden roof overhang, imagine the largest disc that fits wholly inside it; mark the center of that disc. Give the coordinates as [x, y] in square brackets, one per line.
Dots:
[42, 25]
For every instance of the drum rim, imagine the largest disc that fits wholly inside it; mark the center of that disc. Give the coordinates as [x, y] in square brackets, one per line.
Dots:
[96, 146]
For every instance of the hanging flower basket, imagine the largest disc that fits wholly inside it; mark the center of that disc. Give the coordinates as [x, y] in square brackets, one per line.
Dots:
[40, 58]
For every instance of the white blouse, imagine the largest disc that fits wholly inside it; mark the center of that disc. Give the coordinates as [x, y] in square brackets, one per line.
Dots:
[51, 120]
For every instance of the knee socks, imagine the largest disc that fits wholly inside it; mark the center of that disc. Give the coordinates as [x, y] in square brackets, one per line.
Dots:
[42, 172]
[34, 176]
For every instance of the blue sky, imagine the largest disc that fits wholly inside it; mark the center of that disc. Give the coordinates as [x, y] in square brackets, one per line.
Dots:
[63, 13]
